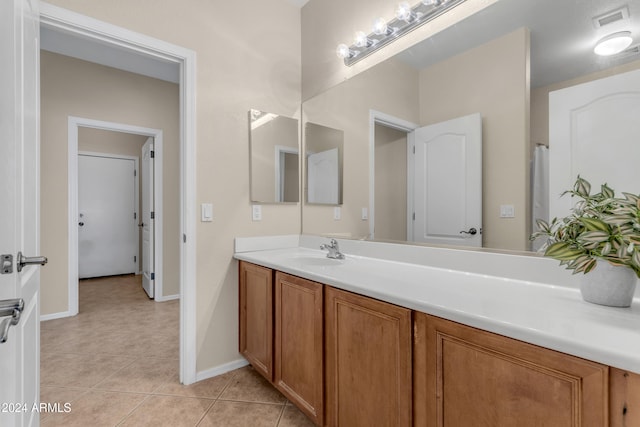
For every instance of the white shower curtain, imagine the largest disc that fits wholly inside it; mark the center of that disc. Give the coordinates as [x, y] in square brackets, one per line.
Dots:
[539, 190]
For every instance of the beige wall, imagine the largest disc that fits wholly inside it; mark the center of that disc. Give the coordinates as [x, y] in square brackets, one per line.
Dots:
[249, 62]
[327, 23]
[70, 87]
[119, 143]
[347, 107]
[540, 100]
[493, 80]
[390, 184]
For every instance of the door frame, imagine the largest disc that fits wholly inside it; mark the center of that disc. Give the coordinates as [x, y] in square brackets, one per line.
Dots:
[136, 194]
[384, 119]
[84, 26]
[280, 152]
[74, 124]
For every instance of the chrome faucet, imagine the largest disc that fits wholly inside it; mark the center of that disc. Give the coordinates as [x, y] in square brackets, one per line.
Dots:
[334, 250]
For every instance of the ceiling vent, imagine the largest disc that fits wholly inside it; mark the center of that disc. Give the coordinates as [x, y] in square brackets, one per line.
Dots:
[630, 51]
[611, 17]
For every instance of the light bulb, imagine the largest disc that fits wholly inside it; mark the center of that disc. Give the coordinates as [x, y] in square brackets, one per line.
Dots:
[380, 27]
[344, 52]
[404, 12]
[362, 40]
[430, 2]
[613, 43]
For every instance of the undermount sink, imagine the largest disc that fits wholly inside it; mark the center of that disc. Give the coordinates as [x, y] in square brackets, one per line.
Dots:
[318, 260]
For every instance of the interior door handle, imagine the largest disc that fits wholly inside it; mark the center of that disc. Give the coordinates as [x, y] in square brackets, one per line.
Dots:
[36, 260]
[471, 231]
[10, 311]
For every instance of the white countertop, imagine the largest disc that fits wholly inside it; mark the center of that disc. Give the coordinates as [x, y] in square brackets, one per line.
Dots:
[540, 313]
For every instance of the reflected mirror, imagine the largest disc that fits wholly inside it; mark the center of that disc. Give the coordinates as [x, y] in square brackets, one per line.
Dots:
[274, 157]
[323, 152]
[501, 63]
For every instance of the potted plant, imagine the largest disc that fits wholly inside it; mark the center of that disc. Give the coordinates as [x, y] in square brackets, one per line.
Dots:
[601, 238]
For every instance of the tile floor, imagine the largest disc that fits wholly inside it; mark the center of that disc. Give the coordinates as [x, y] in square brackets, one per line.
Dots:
[116, 364]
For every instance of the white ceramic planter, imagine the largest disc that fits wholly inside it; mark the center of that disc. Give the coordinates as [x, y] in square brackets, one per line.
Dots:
[609, 285]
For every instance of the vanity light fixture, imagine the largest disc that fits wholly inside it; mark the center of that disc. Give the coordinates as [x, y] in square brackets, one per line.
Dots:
[407, 19]
[613, 43]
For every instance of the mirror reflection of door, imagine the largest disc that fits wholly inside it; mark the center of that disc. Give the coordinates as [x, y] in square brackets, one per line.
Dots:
[323, 185]
[147, 218]
[447, 193]
[107, 205]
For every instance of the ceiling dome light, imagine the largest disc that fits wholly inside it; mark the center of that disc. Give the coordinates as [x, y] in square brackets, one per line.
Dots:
[613, 43]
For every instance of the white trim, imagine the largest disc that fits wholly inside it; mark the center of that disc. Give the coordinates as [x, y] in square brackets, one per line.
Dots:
[280, 151]
[83, 26]
[136, 189]
[221, 369]
[74, 123]
[54, 316]
[167, 298]
[377, 117]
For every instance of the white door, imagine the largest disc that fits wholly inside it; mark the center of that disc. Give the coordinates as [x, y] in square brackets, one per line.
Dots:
[19, 209]
[147, 222]
[593, 132]
[447, 199]
[107, 223]
[323, 173]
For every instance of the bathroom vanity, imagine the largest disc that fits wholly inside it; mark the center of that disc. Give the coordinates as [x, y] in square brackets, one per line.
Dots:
[370, 340]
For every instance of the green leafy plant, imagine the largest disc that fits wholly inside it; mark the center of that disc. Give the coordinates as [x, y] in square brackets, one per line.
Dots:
[600, 226]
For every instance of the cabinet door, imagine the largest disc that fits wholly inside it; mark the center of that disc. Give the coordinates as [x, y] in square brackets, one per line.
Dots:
[256, 317]
[624, 409]
[299, 371]
[368, 361]
[467, 377]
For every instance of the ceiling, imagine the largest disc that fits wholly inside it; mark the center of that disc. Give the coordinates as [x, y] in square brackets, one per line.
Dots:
[563, 35]
[562, 39]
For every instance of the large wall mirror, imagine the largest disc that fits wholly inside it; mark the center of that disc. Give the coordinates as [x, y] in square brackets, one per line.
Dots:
[501, 63]
[274, 157]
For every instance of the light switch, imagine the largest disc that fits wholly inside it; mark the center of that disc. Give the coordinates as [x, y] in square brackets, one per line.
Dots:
[507, 211]
[337, 213]
[256, 212]
[365, 214]
[206, 212]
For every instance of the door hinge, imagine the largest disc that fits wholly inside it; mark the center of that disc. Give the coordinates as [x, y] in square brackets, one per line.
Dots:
[414, 216]
[153, 215]
[135, 172]
[135, 215]
[153, 276]
[414, 149]
[152, 154]
[184, 238]
[135, 258]
[7, 264]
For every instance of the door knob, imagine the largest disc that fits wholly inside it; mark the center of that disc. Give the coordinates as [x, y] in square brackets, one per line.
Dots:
[36, 260]
[471, 231]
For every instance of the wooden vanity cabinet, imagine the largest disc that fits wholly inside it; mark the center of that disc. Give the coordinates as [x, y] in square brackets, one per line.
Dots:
[256, 317]
[368, 361]
[624, 398]
[299, 332]
[468, 377]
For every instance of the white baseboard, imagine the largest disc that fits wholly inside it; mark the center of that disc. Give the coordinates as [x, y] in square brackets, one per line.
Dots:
[167, 298]
[221, 369]
[52, 316]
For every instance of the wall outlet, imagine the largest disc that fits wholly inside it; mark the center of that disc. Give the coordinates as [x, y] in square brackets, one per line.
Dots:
[507, 211]
[337, 213]
[206, 212]
[256, 212]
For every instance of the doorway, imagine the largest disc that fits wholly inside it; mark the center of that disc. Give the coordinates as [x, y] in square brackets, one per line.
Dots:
[101, 33]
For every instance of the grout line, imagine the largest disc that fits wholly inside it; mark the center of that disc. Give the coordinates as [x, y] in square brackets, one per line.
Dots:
[284, 407]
